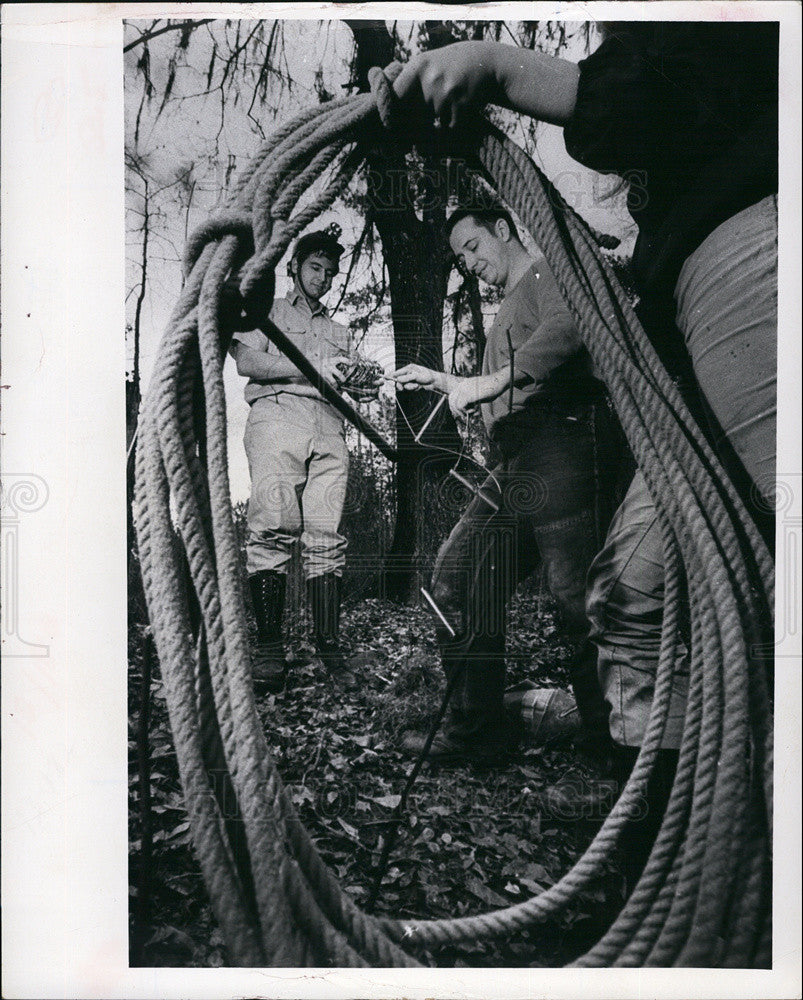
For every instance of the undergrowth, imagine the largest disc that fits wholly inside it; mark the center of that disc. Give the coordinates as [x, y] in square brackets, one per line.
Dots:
[470, 841]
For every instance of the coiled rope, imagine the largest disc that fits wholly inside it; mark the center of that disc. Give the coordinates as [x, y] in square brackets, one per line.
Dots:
[703, 898]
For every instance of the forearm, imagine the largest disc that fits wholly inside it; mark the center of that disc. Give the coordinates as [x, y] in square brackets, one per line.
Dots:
[414, 376]
[479, 389]
[446, 382]
[541, 86]
[439, 381]
[266, 367]
[488, 387]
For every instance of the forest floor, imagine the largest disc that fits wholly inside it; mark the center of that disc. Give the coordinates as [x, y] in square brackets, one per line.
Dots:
[471, 840]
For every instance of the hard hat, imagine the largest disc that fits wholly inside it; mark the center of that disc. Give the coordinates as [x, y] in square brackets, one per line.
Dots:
[317, 242]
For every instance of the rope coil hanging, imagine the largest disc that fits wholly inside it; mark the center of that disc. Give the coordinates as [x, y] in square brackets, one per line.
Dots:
[703, 898]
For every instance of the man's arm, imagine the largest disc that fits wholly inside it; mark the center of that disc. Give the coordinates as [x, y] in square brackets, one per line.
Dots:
[457, 79]
[482, 389]
[550, 339]
[264, 367]
[552, 335]
[420, 377]
[462, 391]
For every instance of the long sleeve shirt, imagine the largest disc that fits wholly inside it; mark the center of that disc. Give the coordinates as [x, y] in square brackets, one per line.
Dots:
[311, 330]
[547, 348]
[687, 113]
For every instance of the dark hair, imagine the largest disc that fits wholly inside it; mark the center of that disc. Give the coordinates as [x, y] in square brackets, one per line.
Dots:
[485, 217]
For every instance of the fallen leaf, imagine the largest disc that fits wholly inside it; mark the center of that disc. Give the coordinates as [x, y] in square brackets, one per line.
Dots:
[350, 830]
[386, 801]
[487, 895]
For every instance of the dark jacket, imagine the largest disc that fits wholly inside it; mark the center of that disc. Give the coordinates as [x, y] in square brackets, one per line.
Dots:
[687, 113]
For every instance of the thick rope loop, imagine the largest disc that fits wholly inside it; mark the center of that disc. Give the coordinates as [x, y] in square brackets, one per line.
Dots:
[225, 224]
[381, 84]
[703, 897]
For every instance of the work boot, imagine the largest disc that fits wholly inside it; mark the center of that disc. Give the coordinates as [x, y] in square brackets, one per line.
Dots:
[452, 749]
[594, 742]
[268, 665]
[475, 729]
[324, 598]
[542, 716]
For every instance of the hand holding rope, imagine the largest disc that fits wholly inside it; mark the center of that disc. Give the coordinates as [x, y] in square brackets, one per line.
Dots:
[703, 898]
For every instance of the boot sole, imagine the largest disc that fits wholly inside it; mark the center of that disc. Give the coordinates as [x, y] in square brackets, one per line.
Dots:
[479, 758]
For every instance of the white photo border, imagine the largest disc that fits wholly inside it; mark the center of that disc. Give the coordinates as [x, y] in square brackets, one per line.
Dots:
[64, 712]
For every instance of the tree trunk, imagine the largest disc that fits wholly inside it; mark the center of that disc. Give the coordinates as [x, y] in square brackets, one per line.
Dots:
[133, 396]
[477, 324]
[410, 220]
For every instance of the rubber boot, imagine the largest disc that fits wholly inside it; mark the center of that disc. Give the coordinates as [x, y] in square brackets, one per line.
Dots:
[595, 739]
[324, 598]
[268, 665]
[475, 728]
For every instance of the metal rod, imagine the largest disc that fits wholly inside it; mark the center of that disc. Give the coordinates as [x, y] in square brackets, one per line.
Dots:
[326, 389]
[431, 602]
[511, 353]
[398, 813]
[474, 489]
[429, 419]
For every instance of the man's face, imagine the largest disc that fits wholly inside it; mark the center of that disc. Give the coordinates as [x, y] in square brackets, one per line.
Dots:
[316, 275]
[481, 252]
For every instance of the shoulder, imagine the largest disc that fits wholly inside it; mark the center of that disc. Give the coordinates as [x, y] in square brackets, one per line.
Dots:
[536, 286]
[253, 339]
[544, 277]
[542, 294]
[281, 307]
[675, 52]
[288, 317]
[519, 309]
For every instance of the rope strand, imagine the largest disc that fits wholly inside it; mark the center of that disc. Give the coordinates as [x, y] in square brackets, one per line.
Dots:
[703, 896]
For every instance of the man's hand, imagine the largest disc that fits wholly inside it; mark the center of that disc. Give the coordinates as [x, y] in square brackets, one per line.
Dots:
[479, 389]
[452, 80]
[465, 394]
[419, 377]
[365, 394]
[328, 368]
[457, 80]
[360, 378]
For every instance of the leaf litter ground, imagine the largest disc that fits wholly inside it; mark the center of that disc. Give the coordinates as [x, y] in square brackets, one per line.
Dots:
[471, 840]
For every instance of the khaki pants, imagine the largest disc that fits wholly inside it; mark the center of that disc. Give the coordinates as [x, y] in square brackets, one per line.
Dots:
[625, 605]
[298, 461]
[727, 312]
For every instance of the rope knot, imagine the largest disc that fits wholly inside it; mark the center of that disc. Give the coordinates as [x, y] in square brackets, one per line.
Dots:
[380, 82]
[231, 222]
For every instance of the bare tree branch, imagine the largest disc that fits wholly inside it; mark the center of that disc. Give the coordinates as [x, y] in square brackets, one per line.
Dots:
[142, 285]
[355, 256]
[170, 26]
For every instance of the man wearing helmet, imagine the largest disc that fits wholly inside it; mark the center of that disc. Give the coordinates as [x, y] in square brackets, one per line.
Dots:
[297, 457]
